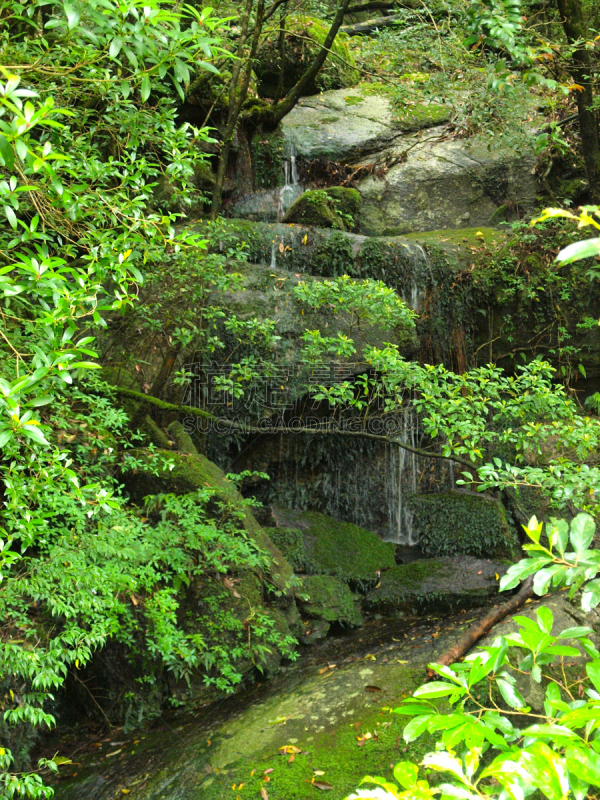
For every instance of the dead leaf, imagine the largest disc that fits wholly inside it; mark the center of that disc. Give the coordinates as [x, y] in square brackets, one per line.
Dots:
[289, 748]
[323, 785]
[114, 753]
[281, 247]
[373, 689]
[268, 771]
[263, 793]
[319, 772]
[291, 758]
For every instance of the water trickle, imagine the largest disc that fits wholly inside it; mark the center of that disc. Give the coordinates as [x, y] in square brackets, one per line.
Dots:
[291, 189]
[402, 479]
[273, 255]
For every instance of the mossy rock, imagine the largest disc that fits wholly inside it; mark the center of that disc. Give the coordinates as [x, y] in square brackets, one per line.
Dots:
[341, 549]
[457, 523]
[336, 207]
[291, 544]
[417, 116]
[442, 584]
[165, 471]
[327, 598]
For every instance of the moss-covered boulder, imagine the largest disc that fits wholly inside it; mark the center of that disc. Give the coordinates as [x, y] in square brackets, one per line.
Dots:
[326, 598]
[165, 471]
[336, 207]
[442, 584]
[330, 547]
[461, 523]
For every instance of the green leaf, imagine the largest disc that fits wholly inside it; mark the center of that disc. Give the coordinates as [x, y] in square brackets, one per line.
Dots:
[11, 217]
[7, 153]
[582, 532]
[588, 248]
[435, 689]
[115, 48]
[33, 432]
[5, 437]
[593, 672]
[416, 727]
[510, 694]
[545, 619]
[73, 14]
[145, 88]
[406, 774]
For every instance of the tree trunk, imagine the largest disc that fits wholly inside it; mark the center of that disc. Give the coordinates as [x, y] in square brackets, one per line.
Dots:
[295, 93]
[238, 92]
[575, 28]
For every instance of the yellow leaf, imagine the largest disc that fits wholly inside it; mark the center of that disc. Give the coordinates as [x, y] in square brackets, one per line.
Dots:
[576, 86]
[76, 663]
[126, 254]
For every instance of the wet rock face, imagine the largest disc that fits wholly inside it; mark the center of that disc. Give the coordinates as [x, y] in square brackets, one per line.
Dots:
[422, 179]
[440, 584]
[447, 184]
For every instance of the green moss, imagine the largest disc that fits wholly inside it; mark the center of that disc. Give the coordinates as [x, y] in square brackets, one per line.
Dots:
[335, 753]
[354, 100]
[336, 207]
[329, 599]
[416, 116]
[291, 544]
[456, 523]
[267, 150]
[337, 548]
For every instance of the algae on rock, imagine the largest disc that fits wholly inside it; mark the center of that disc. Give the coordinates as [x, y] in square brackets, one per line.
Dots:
[340, 549]
[324, 597]
[335, 207]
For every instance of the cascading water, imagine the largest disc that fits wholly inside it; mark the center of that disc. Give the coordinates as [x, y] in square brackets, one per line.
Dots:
[291, 189]
[402, 480]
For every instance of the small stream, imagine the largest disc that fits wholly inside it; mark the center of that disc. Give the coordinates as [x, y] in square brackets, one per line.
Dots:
[336, 688]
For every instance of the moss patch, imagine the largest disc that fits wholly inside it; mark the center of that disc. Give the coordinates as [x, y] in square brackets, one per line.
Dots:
[456, 523]
[417, 116]
[440, 584]
[337, 548]
[329, 599]
[336, 207]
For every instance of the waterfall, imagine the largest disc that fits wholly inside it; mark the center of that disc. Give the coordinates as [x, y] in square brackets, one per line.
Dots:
[291, 189]
[402, 479]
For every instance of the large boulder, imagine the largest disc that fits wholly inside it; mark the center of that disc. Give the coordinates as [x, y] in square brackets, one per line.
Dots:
[462, 523]
[346, 124]
[442, 584]
[447, 183]
[328, 547]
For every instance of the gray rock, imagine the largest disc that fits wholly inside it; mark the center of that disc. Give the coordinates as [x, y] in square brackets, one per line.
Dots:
[446, 184]
[340, 124]
[435, 584]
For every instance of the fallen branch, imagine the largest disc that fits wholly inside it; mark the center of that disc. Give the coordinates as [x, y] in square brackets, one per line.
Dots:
[477, 631]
